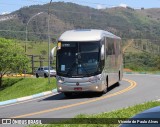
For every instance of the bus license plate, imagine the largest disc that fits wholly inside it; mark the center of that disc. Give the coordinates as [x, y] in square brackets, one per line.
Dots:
[78, 88]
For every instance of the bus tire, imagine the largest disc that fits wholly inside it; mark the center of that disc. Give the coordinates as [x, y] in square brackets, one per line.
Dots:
[119, 75]
[119, 79]
[106, 89]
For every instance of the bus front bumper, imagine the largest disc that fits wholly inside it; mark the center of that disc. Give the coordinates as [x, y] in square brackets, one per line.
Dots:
[81, 87]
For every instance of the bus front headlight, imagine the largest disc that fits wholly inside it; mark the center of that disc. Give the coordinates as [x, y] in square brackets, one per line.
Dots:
[95, 78]
[99, 77]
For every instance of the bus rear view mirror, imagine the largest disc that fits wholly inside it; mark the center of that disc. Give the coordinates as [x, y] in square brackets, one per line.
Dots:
[52, 53]
[102, 52]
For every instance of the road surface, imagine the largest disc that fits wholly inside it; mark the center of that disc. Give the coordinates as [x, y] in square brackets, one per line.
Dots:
[134, 89]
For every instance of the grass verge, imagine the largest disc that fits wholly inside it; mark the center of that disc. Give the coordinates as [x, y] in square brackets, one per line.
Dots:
[19, 87]
[121, 113]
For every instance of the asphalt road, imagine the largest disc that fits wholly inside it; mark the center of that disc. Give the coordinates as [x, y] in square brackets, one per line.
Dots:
[135, 90]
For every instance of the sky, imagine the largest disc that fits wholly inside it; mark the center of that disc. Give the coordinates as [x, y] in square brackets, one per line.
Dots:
[7, 6]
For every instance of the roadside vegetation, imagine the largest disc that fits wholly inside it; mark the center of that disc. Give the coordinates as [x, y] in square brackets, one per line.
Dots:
[142, 55]
[39, 51]
[121, 113]
[142, 62]
[12, 58]
[19, 87]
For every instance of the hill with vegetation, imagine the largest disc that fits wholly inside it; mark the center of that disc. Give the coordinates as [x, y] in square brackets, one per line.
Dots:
[124, 22]
[140, 25]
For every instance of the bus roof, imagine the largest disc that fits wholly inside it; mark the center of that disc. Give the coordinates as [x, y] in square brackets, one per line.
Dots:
[85, 35]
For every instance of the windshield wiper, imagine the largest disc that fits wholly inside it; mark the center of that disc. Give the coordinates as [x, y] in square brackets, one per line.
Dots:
[84, 68]
[70, 68]
[76, 63]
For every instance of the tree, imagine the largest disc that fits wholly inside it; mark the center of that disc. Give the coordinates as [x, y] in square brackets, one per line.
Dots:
[12, 58]
[157, 62]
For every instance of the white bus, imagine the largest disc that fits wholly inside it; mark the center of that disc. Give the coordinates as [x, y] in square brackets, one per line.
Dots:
[88, 60]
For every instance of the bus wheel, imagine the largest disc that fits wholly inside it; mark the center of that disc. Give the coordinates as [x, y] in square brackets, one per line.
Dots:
[106, 89]
[119, 75]
[67, 94]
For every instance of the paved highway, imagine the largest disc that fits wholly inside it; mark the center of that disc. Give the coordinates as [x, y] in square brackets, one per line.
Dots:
[134, 89]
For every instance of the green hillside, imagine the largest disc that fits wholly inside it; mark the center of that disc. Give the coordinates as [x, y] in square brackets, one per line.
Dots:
[141, 55]
[124, 22]
[141, 25]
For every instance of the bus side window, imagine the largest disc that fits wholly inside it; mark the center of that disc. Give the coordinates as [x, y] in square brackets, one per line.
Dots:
[113, 47]
[102, 62]
[117, 47]
[111, 50]
[120, 46]
[106, 46]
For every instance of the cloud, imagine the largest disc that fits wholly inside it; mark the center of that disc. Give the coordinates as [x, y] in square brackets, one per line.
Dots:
[100, 6]
[123, 5]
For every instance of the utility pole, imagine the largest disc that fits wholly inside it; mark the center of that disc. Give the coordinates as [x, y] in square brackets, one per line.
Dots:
[49, 41]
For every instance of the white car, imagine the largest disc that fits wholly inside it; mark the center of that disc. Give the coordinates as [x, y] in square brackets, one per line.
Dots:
[44, 72]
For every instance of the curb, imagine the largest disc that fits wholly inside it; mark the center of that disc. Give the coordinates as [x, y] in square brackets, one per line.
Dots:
[54, 91]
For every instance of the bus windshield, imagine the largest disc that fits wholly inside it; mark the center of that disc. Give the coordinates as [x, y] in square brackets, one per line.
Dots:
[78, 59]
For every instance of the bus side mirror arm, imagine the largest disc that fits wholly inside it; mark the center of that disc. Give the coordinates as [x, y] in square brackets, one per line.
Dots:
[52, 53]
[102, 52]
